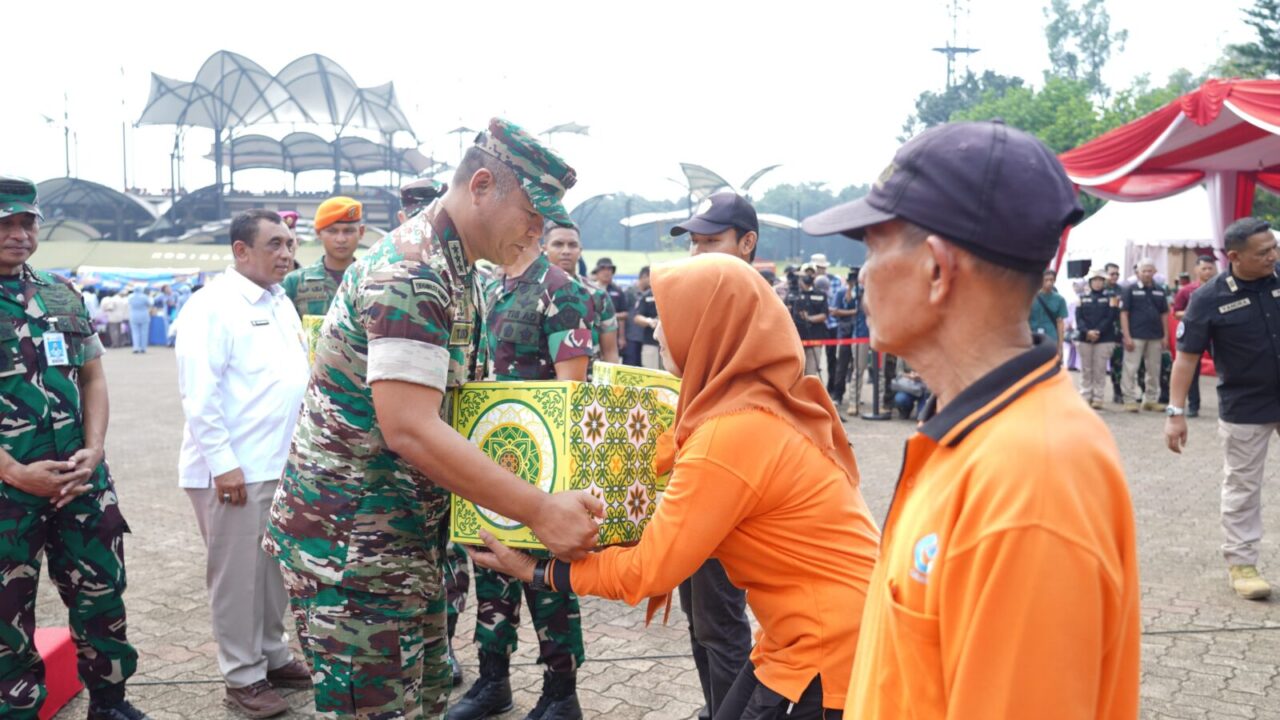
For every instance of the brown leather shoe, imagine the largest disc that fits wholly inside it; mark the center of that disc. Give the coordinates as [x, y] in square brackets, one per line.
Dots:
[258, 700]
[293, 674]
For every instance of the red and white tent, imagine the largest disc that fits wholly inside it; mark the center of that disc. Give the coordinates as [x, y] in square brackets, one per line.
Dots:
[1225, 135]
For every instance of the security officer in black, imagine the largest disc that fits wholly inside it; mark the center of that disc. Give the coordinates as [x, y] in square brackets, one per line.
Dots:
[1144, 307]
[1237, 314]
[808, 306]
[1096, 325]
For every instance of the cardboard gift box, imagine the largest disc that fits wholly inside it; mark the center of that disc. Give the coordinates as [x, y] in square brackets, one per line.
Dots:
[562, 436]
[664, 384]
[311, 328]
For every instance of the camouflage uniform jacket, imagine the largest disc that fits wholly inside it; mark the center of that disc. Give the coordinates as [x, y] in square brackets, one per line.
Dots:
[349, 511]
[311, 289]
[40, 405]
[604, 317]
[536, 320]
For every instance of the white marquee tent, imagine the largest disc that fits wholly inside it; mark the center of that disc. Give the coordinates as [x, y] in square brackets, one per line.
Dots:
[1125, 232]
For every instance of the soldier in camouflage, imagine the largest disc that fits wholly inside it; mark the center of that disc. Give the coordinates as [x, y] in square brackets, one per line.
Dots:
[340, 228]
[563, 246]
[356, 522]
[57, 497]
[539, 328]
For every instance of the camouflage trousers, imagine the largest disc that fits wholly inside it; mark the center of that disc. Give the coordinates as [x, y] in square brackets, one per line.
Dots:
[555, 616]
[372, 657]
[457, 582]
[84, 542]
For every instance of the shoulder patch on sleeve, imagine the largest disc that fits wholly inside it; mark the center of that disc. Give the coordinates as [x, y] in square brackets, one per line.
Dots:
[433, 290]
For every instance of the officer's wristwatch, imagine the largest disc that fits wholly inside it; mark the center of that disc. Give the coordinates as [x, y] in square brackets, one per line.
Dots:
[1173, 411]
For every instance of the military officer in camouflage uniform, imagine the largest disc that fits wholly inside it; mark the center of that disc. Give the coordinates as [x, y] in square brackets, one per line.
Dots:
[539, 328]
[57, 498]
[340, 228]
[357, 519]
[563, 246]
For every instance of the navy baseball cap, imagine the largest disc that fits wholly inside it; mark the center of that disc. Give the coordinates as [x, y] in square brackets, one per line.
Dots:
[718, 213]
[994, 190]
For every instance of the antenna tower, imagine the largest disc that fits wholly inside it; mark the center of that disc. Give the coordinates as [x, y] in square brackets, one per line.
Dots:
[953, 49]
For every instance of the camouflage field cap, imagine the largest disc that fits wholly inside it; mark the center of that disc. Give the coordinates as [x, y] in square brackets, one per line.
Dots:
[18, 195]
[544, 175]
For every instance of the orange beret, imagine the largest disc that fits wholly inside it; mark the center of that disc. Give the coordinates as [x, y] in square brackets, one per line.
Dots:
[336, 210]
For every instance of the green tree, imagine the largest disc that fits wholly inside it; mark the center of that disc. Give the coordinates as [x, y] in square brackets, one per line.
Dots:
[937, 108]
[1061, 113]
[1261, 57]
[1081, 42]
[800, 201]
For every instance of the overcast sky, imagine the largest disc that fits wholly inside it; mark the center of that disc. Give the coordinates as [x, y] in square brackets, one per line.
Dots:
[822, 88]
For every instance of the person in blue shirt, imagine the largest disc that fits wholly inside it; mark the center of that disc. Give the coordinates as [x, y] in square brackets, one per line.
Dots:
[139, 318]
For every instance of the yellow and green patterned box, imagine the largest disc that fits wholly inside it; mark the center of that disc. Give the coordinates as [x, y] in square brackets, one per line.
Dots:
[311, 328]
[562, 436]
[666, 385]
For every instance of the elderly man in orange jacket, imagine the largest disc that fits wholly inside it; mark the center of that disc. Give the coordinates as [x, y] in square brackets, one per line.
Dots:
[1007, 583]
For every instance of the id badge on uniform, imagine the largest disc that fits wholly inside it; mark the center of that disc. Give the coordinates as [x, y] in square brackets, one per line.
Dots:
[55, 349]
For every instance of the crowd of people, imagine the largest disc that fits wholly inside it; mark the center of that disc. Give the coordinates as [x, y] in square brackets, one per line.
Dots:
[321, 484]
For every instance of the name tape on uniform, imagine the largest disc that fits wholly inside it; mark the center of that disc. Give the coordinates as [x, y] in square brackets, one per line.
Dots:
[1243, 302]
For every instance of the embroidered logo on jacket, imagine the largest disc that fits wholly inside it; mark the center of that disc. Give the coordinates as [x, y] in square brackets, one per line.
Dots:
[922, 557]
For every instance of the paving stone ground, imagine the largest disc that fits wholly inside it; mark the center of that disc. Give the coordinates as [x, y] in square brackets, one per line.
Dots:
[1206, 654]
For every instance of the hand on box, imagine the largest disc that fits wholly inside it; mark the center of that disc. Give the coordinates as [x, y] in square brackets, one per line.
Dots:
[503, 559]
[567, 523]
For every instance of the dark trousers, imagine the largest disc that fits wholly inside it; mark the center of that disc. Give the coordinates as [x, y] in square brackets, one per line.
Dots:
[749, 700]
[718, 630]
[833, 370]
[631, 353]
[840, 378]
[1193, 397]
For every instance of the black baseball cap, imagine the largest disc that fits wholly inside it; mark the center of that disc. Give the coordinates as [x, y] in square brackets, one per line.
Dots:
[718, 213]
[994, 190]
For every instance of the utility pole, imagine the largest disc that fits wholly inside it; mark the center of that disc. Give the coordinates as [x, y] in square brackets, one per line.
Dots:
[953, 49]
[124, 142]
[66, 132]
[627, 236]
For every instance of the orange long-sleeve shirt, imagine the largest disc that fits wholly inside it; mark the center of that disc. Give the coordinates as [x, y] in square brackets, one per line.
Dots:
[1007, 585]
[787, 525]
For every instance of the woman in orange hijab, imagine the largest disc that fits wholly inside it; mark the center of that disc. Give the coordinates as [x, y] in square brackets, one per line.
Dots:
[764, 480]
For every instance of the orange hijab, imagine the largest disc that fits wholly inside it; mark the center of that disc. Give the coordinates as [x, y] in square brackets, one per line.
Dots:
[738, 349]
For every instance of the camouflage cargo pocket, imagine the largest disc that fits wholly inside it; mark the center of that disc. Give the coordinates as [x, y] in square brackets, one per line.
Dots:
[10, 355]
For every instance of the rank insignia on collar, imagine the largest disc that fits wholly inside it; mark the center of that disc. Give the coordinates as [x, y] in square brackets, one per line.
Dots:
[1231, 283]
[460, 334]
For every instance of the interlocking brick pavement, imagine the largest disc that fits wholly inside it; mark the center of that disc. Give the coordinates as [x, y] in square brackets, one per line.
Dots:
[1205, 653]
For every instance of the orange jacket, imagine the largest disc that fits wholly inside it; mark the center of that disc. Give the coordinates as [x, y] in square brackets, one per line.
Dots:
[1007, 585]
[788, 526]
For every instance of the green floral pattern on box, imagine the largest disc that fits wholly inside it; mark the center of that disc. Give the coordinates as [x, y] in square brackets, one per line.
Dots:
[563, 436]
[666, 394]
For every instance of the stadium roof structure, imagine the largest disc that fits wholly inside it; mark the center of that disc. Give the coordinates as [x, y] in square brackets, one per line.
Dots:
[303, 151]
[113, 214]
[231, 91]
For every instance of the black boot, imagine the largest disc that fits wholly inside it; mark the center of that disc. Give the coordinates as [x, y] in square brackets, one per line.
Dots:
[490, 695]
[109, 704]
[559, 700]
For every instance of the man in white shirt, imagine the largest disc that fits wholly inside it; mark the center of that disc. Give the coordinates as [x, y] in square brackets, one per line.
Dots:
[242, 370]
[117, 311]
